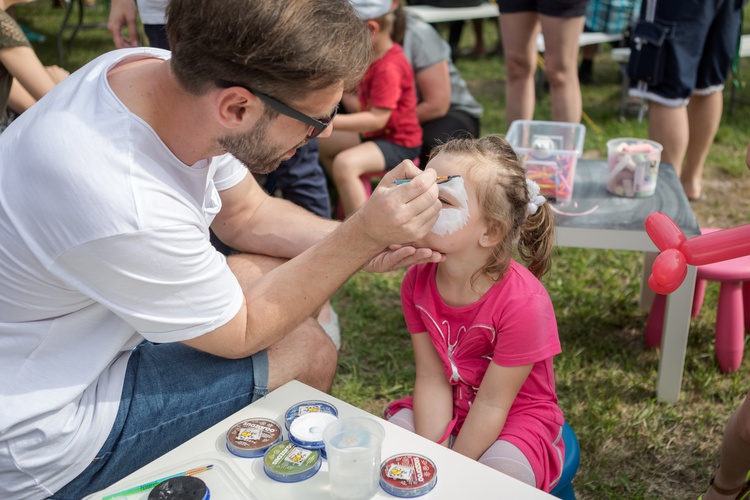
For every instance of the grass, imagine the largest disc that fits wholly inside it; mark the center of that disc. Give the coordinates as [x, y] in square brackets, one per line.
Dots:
[632, 447]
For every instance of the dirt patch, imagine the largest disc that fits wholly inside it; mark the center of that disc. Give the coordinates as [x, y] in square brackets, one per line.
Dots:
[726, 200]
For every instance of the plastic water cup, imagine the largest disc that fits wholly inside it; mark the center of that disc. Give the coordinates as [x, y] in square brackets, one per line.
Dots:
[353, 447]
[632, 167]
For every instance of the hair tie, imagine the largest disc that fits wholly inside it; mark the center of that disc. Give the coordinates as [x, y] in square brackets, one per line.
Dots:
[535, 199]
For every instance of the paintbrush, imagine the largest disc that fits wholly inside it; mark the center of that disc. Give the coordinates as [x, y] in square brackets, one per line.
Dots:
[441, 179]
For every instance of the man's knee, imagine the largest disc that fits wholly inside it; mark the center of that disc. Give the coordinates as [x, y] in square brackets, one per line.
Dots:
[320, 361]
[307, 354]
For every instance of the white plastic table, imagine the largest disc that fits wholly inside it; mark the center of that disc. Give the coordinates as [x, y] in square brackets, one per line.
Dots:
[237, 478]
[593, 218]
[430, 14]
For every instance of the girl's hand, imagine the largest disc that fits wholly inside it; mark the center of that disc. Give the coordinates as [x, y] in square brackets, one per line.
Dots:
[398, 256]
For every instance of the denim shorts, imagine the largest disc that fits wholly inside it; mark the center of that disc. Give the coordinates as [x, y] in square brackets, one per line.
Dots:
[171, 394]
[552, 8]
[698, 50]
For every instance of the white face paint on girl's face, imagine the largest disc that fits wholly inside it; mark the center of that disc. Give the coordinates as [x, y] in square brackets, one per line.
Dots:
[452, 219]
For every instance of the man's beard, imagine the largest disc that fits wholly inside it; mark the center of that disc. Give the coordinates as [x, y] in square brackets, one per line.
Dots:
[254, 149]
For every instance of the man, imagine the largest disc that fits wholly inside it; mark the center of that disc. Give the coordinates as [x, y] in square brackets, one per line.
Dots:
[107, 190]
[300, 179]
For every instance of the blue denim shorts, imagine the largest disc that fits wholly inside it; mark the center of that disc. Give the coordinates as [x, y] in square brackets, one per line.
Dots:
[698, 50]
[171, 394]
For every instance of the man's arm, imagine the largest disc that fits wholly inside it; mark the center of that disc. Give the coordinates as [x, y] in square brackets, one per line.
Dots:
[254, 222]
[283, 297]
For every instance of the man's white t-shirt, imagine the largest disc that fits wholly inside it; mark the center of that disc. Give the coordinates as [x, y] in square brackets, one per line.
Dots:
[104, 241]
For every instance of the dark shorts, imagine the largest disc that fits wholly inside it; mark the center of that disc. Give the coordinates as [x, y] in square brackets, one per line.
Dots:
[453, 125]
[171, 394]
[552, 8]
[394, 153]
[157, 35]
[700, 43]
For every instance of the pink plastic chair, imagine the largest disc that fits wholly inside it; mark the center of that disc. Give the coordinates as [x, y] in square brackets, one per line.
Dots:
[732, 315]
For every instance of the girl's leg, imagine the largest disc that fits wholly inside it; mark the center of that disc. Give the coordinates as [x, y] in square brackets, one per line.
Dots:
[404, 418]
[508, 459]
[346, 168]
[561, 66]
[329, 147]
[519, 31]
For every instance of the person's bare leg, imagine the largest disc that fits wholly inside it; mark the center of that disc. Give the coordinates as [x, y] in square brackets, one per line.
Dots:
[305, 353]
[586, 68]
[518, 32]
[704, 116]
[346, 169]
[669, 127]
[478, 25]
[561, 66]
[329, 147]
[735, 453]
[589, 52]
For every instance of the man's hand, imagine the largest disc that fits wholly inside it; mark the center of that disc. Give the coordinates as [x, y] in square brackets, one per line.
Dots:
[399, 214]
[123, 14]
[398, 256]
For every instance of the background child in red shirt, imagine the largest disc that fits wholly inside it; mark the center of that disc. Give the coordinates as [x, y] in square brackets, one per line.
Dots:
[385, 131]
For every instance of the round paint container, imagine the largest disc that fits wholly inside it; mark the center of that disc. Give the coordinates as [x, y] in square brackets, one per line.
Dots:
[307, 430]
[408, 475]
[180, 488]
[305, 407]
[288, 463]
[252, 437]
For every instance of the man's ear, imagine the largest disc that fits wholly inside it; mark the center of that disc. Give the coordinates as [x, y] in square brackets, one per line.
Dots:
[235, 106]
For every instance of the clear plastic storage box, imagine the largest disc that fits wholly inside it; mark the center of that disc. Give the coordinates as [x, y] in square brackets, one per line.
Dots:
[550, 151]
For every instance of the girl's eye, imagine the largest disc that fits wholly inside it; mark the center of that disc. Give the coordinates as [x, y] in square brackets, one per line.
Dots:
[444, 201]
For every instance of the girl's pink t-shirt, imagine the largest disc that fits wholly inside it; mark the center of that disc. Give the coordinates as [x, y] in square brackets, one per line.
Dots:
[513, 324]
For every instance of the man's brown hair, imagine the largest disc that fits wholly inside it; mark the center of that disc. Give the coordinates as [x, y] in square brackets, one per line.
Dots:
[284, 48]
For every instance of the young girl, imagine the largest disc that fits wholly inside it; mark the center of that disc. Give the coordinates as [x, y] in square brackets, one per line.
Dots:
[483, 327]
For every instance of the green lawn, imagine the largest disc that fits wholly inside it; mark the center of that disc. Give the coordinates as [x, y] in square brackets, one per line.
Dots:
[632, 446]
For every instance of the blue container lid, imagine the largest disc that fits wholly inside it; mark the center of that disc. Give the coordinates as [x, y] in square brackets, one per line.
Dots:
[307, 430]
[305, 407]
[288, 463]
[251, 438]
[180, 488]
[408, 475]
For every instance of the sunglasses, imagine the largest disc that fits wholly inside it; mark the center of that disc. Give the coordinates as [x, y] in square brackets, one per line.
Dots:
[318, 126]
